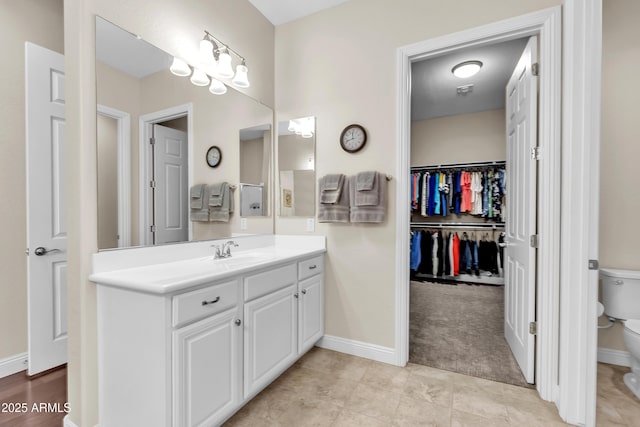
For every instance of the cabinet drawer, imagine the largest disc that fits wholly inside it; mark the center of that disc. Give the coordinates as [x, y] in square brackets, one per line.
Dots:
[204, 302]
[268, 281]
[310, 267]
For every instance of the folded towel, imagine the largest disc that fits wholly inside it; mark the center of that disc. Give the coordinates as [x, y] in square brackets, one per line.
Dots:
[200, 213]
[216, 193]
[196, 196]
[365, 180]
[222, 212]
[371, 195]
[338, 211]
[331, 188]
[368, 213]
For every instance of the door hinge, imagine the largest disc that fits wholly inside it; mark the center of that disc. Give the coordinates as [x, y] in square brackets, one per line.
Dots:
[533, 328]
[535, 69]
[152, 184]
[152, 141]
[535, 153]
[533, 241]
[594, 264]
[153, 228]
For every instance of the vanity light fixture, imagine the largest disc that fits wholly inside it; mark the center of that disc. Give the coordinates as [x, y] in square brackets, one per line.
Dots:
[466, 69]
[180, 68]
[303, 127]
[241, 79]
[224, 64]
[217, 87]
[199, 77]
[206, 52]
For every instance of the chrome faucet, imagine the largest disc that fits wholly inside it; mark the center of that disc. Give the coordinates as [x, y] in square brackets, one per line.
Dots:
[226, 248]
[218, 252]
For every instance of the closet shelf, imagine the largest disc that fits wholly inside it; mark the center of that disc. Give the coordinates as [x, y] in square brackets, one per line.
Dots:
[459, 165]
[494, 225]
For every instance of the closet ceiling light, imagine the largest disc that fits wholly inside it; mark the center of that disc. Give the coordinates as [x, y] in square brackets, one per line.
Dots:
[466, 69]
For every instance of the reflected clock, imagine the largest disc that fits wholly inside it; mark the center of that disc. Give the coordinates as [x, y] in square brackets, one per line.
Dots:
[214, 156]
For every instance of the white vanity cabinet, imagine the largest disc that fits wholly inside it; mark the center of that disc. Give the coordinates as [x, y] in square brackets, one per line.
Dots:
[193, 356]
[207, 355]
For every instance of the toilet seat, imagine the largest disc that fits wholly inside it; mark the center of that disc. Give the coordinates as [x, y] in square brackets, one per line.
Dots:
[633, 325]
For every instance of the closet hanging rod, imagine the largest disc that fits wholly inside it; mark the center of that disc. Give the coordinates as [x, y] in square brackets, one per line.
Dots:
[457, 225]
[460, 165]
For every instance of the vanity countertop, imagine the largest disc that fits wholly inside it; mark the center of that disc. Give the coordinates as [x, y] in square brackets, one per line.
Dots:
[192, 264]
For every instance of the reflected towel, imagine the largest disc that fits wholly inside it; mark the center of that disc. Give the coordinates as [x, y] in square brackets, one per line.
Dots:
[369, 195]
[216, 193]
[196, 193]
[200, 214]
[331, 188]
[335, 212]
[222, 213]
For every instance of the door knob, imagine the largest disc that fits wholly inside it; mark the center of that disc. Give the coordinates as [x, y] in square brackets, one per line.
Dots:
[42, 251]
[238, 322]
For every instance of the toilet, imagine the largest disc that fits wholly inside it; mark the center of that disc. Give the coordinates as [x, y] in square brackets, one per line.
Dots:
[621, 300]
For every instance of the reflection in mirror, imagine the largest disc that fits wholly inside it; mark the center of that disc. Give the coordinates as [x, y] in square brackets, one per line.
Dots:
[296, 167]
[255, 161]
[143, 188]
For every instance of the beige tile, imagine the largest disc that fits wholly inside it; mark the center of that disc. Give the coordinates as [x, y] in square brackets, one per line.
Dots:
[314, 384]
[534, 415]
[268, 405]
[608, 415]
[427, 371]
[374, 402]
[338, 365]
[348, 418]
[484, 405]
[302, 412]
[319, 359]
[478, 387]
[629, 410]
[388, 377]
[414, 412]
[464, 419]
[435, 391]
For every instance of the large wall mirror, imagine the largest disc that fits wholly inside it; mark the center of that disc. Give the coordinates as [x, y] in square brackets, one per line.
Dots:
[296, 167]
[154, 130]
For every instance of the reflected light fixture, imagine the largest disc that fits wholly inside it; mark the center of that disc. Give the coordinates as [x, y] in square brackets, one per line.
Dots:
[180, 68]
[466, 69]
[303, 127]
[199, 78]
[206, 52]
[224, 64]
[241, 79]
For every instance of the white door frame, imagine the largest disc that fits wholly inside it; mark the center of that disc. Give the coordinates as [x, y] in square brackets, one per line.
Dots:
[146, 123]
[123, 120]
[546, 25]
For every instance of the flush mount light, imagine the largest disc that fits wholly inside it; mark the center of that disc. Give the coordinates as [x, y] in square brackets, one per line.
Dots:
[466, 69]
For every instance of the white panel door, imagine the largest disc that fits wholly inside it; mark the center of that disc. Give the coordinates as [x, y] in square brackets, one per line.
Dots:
[270, 333]
[171, 168]
[310, 312]
[520, 256]
[207, 370]
[46, 209]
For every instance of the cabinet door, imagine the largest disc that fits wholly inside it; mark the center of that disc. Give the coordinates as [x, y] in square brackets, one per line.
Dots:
[207, 370]
[270, 334]
[311, 313]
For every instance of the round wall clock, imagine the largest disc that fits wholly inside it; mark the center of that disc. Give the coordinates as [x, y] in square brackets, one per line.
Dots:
[214, 156]
[353, 138]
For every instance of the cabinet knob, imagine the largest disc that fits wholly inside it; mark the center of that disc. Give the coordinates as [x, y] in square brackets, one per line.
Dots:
[213, 301]
[296, 295]
[304, 291]
[238, 322]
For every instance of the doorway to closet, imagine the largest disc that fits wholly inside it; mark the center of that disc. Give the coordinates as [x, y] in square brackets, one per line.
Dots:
[473, 206]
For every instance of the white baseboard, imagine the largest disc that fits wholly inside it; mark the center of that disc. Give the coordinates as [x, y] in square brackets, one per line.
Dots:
[614, 357]
[359, 348]
[13, 364]
[66, 422]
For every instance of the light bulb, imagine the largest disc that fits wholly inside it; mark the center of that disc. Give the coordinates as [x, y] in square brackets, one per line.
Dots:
[180, 68]
[292, 126]
[199, 78]
[217, 87]
[241, 79]
[206, 52]
[466, 69]
[224, 65]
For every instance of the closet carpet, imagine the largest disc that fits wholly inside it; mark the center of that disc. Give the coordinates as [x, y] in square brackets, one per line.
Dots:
[460, 328]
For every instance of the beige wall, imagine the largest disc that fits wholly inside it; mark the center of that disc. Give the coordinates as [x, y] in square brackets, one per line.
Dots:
[251, 153]
[619, 194]
[39, 22]
[172, 25]
[107, 139]
[475, 137]
[341, 68]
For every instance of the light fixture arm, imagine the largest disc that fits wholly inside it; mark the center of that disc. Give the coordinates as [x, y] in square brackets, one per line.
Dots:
[218, 46]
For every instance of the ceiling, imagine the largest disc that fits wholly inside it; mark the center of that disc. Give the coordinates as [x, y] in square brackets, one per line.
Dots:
[281, 11]
[433, 86]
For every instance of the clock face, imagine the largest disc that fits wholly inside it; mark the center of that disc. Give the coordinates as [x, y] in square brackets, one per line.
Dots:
[353, 138]
[214, 156]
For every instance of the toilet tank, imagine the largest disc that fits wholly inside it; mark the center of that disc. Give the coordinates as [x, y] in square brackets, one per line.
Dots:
[621, 293]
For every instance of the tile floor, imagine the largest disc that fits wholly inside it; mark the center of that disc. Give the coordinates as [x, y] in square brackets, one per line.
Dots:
[326, 388]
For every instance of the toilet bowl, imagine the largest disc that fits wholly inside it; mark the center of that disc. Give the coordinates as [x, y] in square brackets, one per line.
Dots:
[621, 300]
[632, 341]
